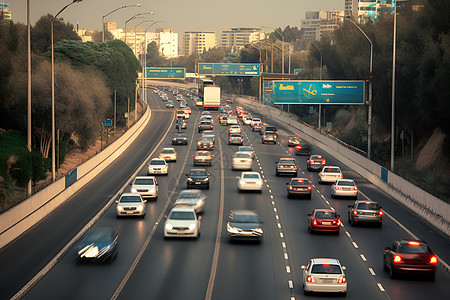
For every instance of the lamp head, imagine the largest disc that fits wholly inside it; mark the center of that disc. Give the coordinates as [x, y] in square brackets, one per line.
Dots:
[138, 5]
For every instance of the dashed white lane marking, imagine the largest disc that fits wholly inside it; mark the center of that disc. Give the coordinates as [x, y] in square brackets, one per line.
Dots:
[291, 286]
[270, 191]
[327, 202]
[267, 185]
[363, 257]
[271, 196]
[281, 235]
[279, 225]
[332, 208]
[288, 269]
[348, 234]
[372, 272]
[323, 197]
[380, 287]
[283, 244]
[265, 180]
[273, 202]
[313, 184]
[275, 209]
[277, 217]
[355, 245]
[286, 256]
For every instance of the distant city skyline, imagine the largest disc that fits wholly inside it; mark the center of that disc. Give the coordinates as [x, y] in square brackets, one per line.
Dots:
[178, 15]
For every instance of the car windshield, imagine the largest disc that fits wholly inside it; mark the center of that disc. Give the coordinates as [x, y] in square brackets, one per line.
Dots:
[346, 183]
[326, 269]
[414, 249]
[368, 206]
[300, 182]
[206, 139]
[244, 218]
[235, 135]
[144, 181]
[182, 215]
[332, 170]
[190, 194]
[245, 149]
[98, 236]
[242, 155]
[197, 173]
[316, 157]
[168, 152]
[180, 136]
[251, 176]
[158, 162]
[130, 199]
[325, 215]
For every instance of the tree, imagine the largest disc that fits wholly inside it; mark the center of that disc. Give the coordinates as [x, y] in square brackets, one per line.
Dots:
[213, 55]
[41, 33]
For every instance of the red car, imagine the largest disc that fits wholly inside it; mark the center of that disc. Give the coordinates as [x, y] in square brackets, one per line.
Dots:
[409, 257]
[324, 220]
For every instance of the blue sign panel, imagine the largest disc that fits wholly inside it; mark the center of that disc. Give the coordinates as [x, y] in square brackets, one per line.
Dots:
[108, 122]
[318, 92]
[70, 178]
[297, 71]
[166, 73]
[229, 69]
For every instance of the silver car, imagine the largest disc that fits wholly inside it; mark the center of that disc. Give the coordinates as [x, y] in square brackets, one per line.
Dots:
[247, 149]
[235, 139]
[130, 204]
[192, 198]
[344, 188]
[365, 212]
[146, 186]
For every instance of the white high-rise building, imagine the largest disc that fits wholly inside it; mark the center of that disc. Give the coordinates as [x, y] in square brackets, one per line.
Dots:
[318, 23]
[236, 38]
[198, 42]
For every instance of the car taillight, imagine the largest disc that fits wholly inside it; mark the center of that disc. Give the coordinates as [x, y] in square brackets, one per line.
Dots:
[340, 175]
[295, 167]
[433, 260]
[355, 188]
[310, 279]
[336, 187]
[315, 222]
[230, 139]
[355, 212]
[290, 188]
[264, 136]
[311, 161]
[339, 222]
[342, 279]
[324, 161]
[299, 147]
[322, 174]
[397, 259]
[413, 243]
[309, 188]
[380, 213]
[278, 166]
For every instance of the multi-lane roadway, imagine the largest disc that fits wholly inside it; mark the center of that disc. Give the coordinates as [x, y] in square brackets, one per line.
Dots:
[149, 267]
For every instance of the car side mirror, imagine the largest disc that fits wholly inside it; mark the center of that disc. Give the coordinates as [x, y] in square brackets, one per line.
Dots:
[200, 217]
[165, 216]
[303, 267]
[344, 268]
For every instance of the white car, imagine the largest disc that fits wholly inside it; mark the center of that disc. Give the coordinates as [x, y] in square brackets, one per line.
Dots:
[182, 222]
[168, 154]
[247, 149]
[255, 121]
[130, 204]
[324, 275]
[234, 129]
[330, 174]
[146, 186]
[250, 181]
[345, 188]
[232, 120]
[247, 120]
[242, 161]
[158, 166]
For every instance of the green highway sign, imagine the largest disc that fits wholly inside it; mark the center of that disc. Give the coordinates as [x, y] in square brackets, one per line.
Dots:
[229, 69]
[318, 92]
[166, 73]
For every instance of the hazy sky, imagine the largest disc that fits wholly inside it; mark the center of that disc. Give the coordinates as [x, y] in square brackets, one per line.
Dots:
[178, 15]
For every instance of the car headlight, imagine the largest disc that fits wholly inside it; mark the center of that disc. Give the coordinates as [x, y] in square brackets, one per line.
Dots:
[258, 230]
[133, 190]
[199, 143]
[169, 226]
[119, 208]
[206, 179]
[231, 229]
[192, 226]
[140, 207]
[190, 179]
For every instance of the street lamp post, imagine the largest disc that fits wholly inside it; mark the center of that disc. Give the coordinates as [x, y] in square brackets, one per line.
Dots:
[132, 18]
[103, 18]
[29, 89]
[369, 113]
[393, 91]
[53, 88]
[144, 66]
[260, 55]
[282, 49]
[321, 67]
[135, 36]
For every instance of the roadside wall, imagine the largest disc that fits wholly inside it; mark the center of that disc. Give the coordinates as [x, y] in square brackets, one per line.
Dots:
[23, 216]
[429, 207]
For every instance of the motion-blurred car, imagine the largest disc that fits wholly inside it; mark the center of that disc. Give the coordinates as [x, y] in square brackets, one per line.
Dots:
[330, 174]
[244, 224]
[365, 212]
[182, 222]
[303, 149]
[247, 120]
[269, 137]
[146, 186]
[98, 245]
[324, 275]
[241, 161]
[203, 158]
[158, 166]
[250, 181]
[168, 154]
[192, 198]
[183, 104]
[179, 139]
[410, 257]
[130, 204]
[247, 149]
[315, 162]
[293, 141]
[324, 220]
[256, 127]
[299, 187]
[205, 143]
[198, 102]
[198, 178]
[344, 188]
[234, 129]
[235, 139]
[286, 165]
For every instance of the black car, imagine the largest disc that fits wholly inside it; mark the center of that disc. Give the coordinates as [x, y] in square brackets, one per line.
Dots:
[303, 149]
[198, 178]
[286, 166]
[299, 187]
[179, 139]
[98, 245]
[244, 224]
[205, 125]
[183, 123]
[205, 143]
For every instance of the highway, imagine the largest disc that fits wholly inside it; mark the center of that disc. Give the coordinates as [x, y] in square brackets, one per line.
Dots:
[149, 267]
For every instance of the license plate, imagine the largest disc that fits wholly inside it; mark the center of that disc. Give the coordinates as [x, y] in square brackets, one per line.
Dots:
[197, 182]
[326, 223]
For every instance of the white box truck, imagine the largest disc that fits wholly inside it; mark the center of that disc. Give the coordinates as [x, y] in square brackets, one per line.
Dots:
[211, 98]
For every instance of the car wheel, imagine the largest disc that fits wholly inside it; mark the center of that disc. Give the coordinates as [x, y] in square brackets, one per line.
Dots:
[295, 174]
[333, 196]
[432, 277]
[344, 294]
[380, 224]
[309, 229]
[352, 222]
[305, 291]
[385, 267]
[288, 196]
[309, 197]
[277, 174]
[392, 273]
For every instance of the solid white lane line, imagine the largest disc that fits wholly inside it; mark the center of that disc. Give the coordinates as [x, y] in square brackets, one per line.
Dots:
[380, 287]
[372, 271]
[363, 257]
